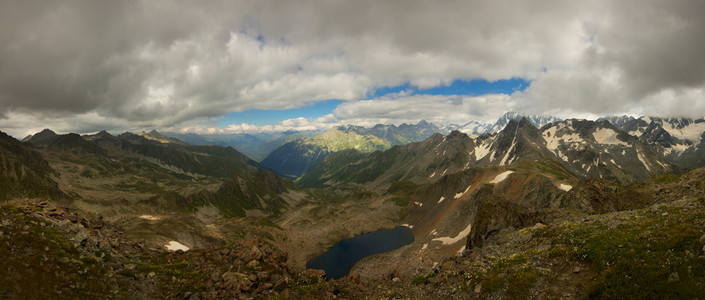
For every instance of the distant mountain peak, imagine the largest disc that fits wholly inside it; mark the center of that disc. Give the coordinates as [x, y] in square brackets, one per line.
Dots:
[103, 133]
[156, 136]
[457, 134]
[479, 128]
[47, 131]
[42, 138]
[537, 120]
[524, 122]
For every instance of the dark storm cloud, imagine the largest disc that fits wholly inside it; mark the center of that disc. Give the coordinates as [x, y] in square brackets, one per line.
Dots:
[160, 63]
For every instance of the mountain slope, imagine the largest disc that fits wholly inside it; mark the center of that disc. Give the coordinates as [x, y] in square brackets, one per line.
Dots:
[264, 192]
[680, 140]
[156, 136]
[75, 144]
[416, 162]
[255, 146]
[24, 172]
[584, 148]
[179, 157]
[42, 138]
[294, 158]
[536, 120]
[518, 141]
[599, 150]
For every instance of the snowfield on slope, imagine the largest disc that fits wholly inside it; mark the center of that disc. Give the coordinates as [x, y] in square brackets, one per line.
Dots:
[692, 132]
[176, 246]
[565, 187]
[150, 217]
[452, 240]
[501, 177]
[607, 136]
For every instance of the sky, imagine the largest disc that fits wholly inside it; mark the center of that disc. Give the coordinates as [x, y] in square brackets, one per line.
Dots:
[264, 66]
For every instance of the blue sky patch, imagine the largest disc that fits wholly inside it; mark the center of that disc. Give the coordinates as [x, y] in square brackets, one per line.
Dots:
[267, 117]
[479, 87]
[475, 87]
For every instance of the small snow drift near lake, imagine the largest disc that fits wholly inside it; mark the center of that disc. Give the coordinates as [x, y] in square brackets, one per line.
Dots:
[501, 177]
[176, 246]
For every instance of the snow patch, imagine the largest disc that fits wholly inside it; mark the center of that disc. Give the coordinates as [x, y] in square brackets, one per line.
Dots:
[692, 132]
[434, 173]
[418, 203]
[638, 132]
[642, 159]
[457, 238]
[408, 225]
[175, 246]
[441, 200]
[501, 177]
[424, 246]
[482, 150]
[615, 163]
[150, 217]
[458, 195]
[565, 187]
[434, 232]
[553, 141]
[677, 148]
[461, 250]
[607, 136]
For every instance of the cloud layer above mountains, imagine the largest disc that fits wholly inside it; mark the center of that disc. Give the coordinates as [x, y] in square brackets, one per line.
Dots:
[83, 65]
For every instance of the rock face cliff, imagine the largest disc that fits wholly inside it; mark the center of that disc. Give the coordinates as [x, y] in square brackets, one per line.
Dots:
[24, 172]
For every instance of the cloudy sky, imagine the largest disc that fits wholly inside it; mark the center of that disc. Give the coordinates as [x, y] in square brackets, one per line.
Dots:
[229, 66]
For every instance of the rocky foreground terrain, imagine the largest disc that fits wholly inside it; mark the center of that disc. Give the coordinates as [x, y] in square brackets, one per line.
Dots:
[654, 251]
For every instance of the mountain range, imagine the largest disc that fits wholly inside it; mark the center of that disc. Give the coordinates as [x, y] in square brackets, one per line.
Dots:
[257, 146]
[680, 140]
[295, 157]
[581, 148]
[475, 128]
[539, 207]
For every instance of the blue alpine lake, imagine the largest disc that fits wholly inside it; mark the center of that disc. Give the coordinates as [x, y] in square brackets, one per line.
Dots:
[340, 258]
